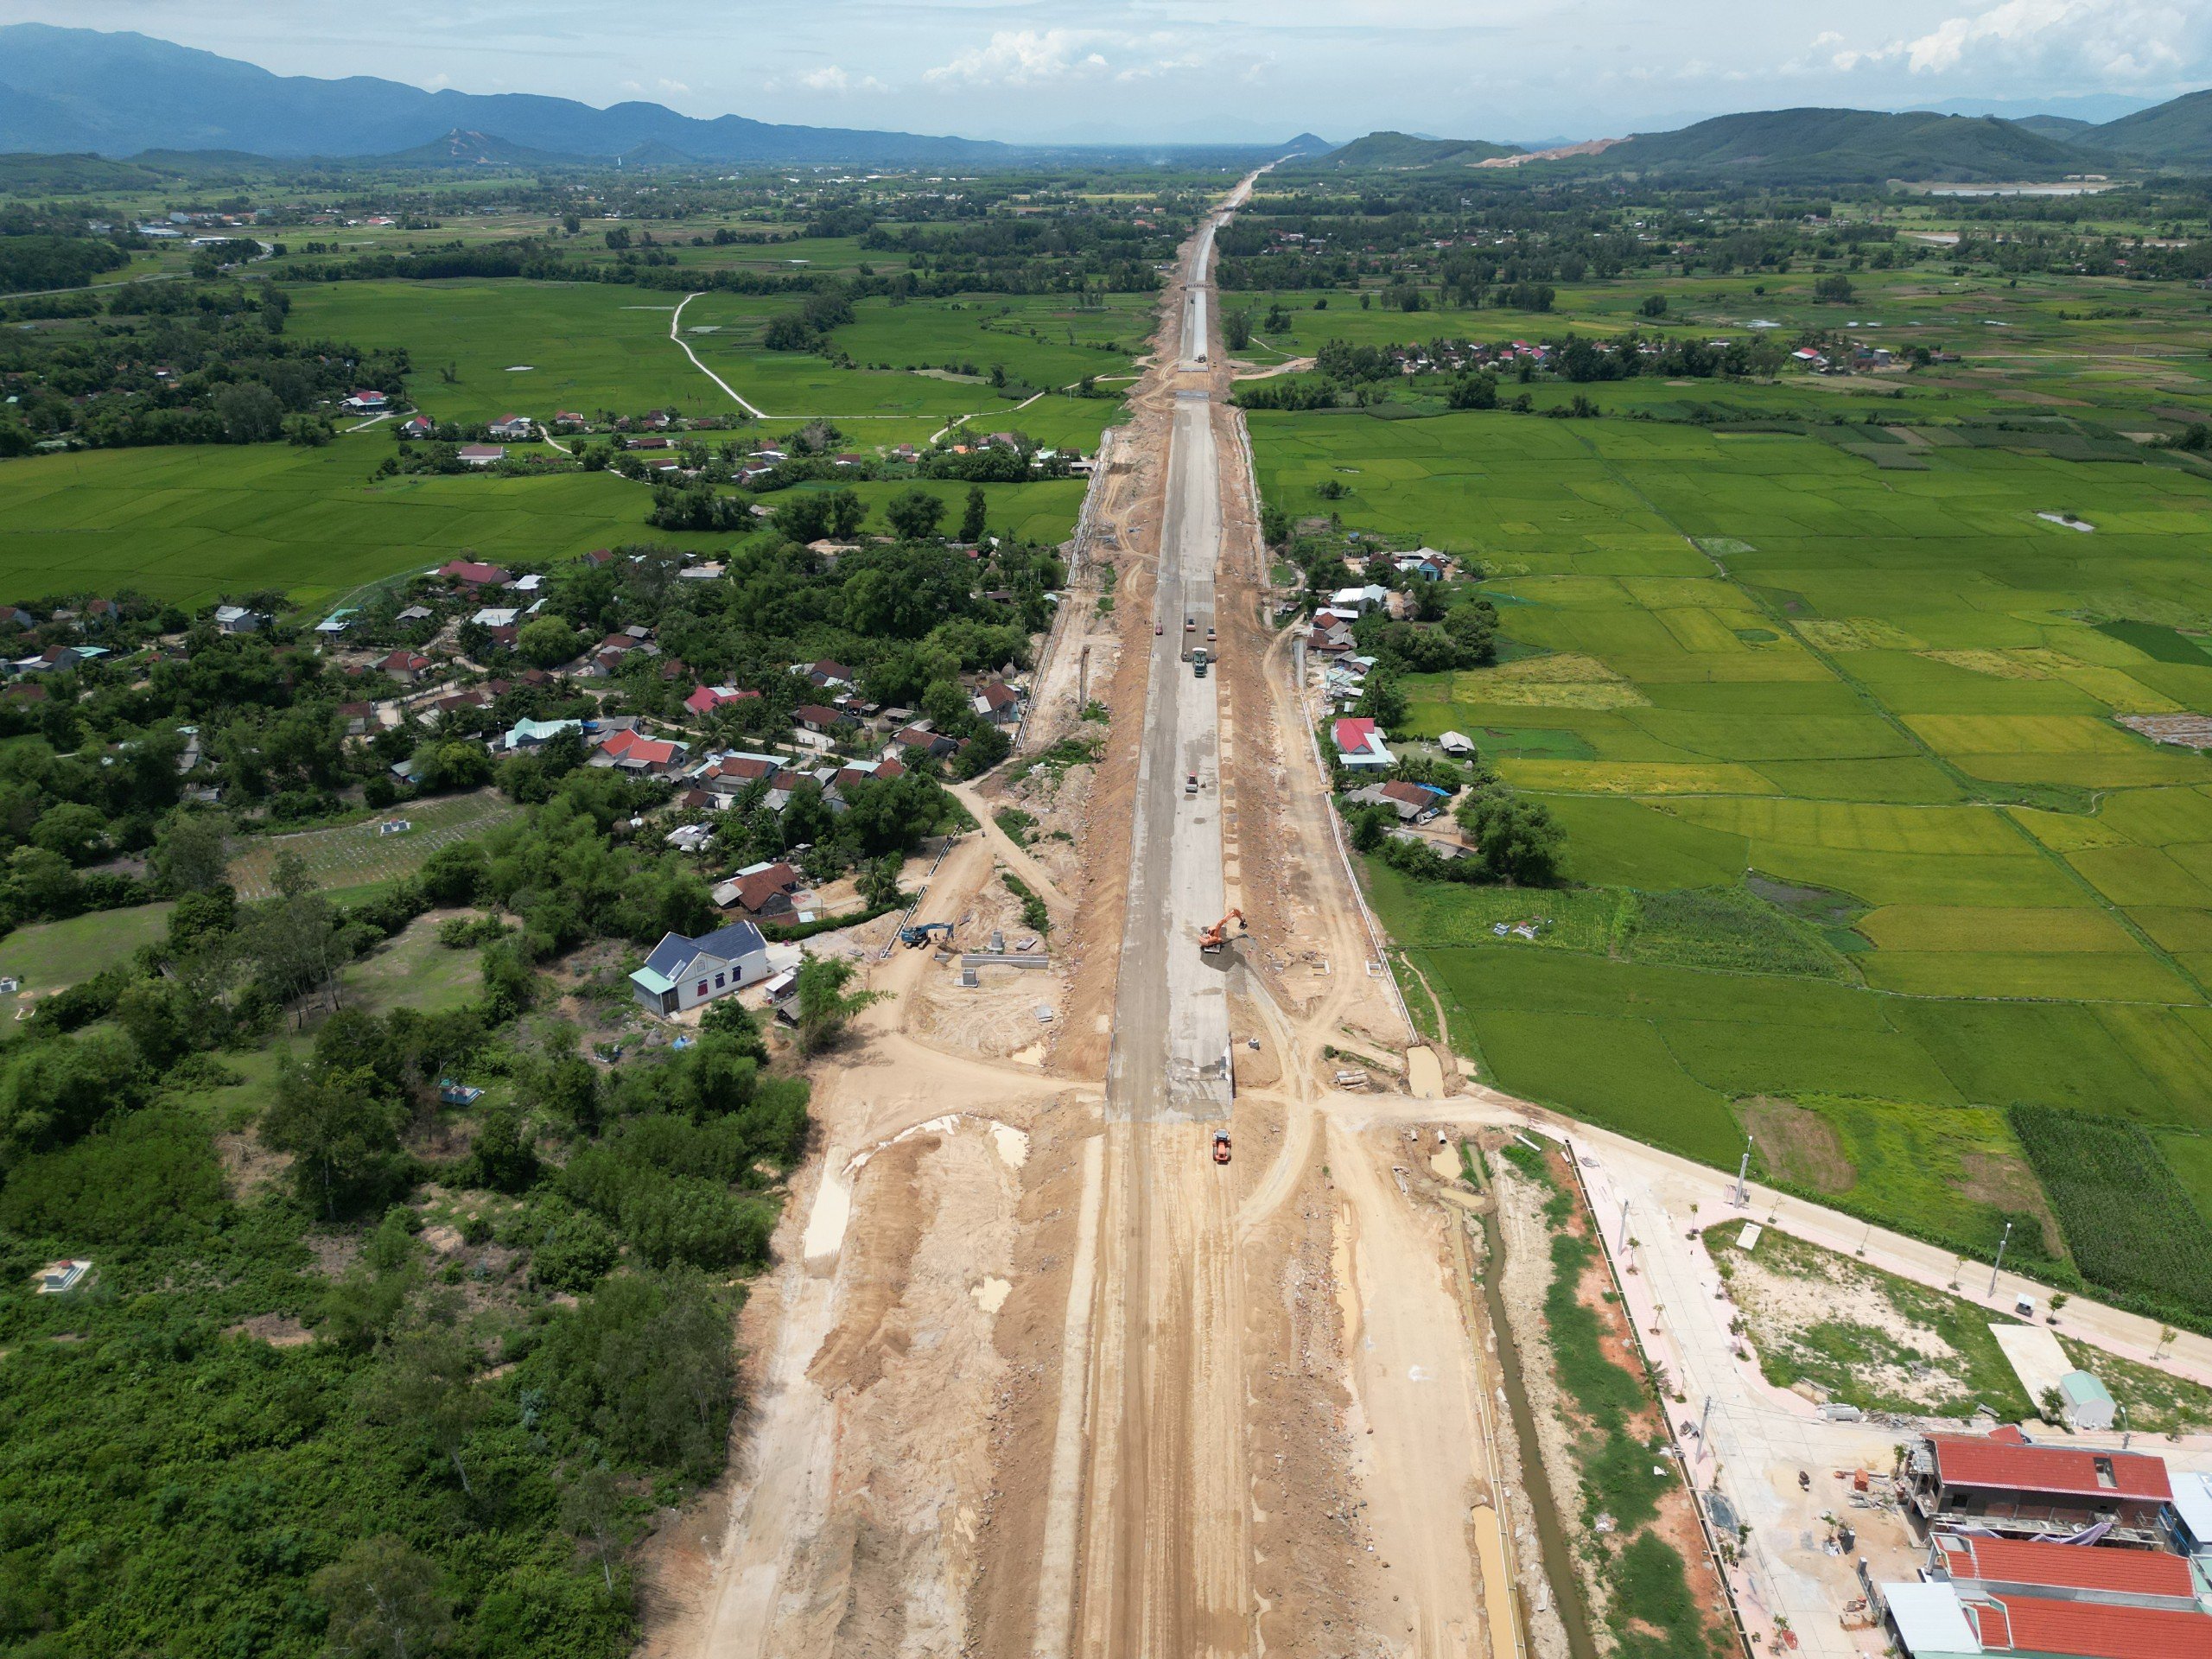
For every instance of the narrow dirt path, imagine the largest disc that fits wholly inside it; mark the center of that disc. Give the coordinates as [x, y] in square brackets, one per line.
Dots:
[1015, 858]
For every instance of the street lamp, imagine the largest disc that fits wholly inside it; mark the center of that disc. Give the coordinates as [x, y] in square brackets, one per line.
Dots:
[1743, 1194]
[2001, 1243]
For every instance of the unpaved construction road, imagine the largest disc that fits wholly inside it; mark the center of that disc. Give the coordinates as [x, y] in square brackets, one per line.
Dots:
[1101, 1396]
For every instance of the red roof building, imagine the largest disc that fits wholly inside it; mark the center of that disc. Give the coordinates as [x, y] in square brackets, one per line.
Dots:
[633, 751]
[2001, 1566]
[2087, 1629]
[469, 573]
[2004, 1483]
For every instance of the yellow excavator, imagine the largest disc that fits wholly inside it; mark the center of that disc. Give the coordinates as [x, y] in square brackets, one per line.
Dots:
[1215, 937]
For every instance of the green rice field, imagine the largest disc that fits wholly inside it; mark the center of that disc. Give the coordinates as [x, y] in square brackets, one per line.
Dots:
[533, 348]
[191, 525]
[1854, 830]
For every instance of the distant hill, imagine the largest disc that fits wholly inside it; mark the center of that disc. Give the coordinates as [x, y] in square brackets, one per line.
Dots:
[1846, 147]
[1402, 152]
[1305, 143]
[81, 90]
[2054, 126]
[460, 149]
[2175, 134]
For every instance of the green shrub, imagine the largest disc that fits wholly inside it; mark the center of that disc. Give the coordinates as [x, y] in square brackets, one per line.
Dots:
[150, 1180]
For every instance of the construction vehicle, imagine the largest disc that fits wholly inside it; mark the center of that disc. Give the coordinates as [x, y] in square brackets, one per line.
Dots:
[914, 938]
[1218, 936]
[1221, 1146]
[1191, 784]
[1198, 660]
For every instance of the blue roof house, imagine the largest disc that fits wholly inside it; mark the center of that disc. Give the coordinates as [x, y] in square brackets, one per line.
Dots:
[682, 973]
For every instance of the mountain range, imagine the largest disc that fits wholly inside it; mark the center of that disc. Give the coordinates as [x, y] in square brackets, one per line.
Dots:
[1814, 146]
[85, 92]
[119, 94]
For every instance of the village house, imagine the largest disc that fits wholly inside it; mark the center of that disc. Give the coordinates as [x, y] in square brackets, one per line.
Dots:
[1986, 1596]
[998, 703]
[517, 428]
[1413, 802]
[236, 618]
[705, 699]
[683, 972]
[760, 890]
[814, 717]
[526, 734]
[481, 454]
[1360, 743]
[408, 667]
[367, 401]
[419, 426]
[634, 752]
[471, 574]
[2002, 1482]
[936, 745]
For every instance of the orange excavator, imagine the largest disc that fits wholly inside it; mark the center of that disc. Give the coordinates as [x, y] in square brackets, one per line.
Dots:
[1218, 936]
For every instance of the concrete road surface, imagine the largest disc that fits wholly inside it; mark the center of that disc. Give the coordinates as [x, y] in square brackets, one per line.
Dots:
[1166, 1550]
[1171, 1028]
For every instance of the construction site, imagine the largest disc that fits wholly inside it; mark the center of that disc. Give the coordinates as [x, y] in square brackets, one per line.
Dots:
[1155, 1289]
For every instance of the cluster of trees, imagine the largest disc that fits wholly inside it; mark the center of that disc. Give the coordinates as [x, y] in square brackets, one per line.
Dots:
[33, 260]
[180, 362]
[435, 1469]
[807, 329]
[1514, 840]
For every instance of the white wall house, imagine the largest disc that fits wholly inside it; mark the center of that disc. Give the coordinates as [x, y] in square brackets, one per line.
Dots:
[682, 973]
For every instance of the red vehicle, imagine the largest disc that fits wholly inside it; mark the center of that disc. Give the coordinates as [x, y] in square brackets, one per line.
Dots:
[1190, 623]
[1221, 1146]
[1209, 636]
[1160, 627]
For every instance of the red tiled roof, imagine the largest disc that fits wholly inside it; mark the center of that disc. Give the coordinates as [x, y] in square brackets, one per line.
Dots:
[1978, 1460]
[745, 767]
[2092, 1630]
[470, 570]
[629, 746]
[2067, 1566]
[1353, 733]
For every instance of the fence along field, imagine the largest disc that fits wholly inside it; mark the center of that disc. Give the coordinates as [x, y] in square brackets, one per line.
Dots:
[362, 854]
[1886, 694]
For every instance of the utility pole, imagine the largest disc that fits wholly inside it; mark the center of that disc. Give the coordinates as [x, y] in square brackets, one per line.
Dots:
[1743, 1193]
[2126, 1434]
[1622, 1245]
[2001, 1243]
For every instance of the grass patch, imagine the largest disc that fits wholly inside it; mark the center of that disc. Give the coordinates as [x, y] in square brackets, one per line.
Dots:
[1034, 914]
[53, 956]
[1016, 825]
[1729, 928]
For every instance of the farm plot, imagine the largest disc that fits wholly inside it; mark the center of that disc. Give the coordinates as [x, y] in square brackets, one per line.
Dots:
[358, 855]
[484, 349]
[191, 525]
[2128, 1220]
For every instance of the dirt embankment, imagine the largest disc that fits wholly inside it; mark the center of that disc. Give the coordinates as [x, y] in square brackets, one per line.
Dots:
[1305, 1513]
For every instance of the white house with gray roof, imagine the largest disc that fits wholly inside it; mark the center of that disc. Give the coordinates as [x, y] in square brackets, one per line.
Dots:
[682, 973]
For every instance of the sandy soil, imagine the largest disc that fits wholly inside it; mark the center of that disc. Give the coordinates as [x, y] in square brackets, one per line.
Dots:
[922, 1365]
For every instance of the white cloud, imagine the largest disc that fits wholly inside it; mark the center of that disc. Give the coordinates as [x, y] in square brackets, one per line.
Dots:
[834, 78]
[674, 88]
[2107, 40]
[1024, 57]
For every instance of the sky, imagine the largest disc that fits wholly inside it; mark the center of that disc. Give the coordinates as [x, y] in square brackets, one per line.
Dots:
[1193, 70]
